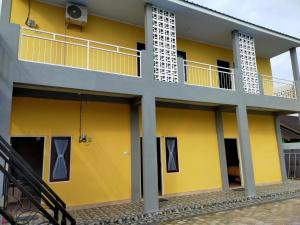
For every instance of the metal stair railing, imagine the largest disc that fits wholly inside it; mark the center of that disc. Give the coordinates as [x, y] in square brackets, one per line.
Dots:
[39, 199]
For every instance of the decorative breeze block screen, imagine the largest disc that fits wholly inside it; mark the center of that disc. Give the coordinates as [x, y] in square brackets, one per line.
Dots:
[249, 66]
[164, 44]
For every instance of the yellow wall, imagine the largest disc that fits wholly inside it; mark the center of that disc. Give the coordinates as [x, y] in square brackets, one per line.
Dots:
[199, 167]
[208, 54]
[52, 18]
[263, 145]
[100, 170]
[205, 53]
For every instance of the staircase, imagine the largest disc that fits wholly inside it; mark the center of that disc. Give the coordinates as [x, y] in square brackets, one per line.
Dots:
[27, 198]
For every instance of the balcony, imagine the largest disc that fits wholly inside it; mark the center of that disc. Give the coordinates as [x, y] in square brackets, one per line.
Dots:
[56, 49]
[205, 75]
[274, 86]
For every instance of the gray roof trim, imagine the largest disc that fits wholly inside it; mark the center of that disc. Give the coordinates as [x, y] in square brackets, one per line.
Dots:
[203, 9]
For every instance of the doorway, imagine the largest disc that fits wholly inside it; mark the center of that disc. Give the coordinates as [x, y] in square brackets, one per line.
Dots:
[233, 162]
[159, 169]
[139, 47]
[31, 149]
[224, 74]
[182, 55]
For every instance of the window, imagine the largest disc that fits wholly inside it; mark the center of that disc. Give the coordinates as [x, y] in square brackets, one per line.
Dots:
[60, 159]
[172, 155]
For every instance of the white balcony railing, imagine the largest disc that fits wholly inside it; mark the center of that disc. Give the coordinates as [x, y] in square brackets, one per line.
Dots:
[278, 87]
[56, 49]
[201, 74]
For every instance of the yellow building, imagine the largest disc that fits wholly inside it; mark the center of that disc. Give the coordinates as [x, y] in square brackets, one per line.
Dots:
[163, 100]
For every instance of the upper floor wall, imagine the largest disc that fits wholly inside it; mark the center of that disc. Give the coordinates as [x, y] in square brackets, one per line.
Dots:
[52, 19]
[209, 54]
[55, 43]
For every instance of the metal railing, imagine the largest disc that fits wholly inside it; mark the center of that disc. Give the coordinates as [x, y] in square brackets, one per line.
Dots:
[201, 74]
[57, 49]
[28, 198]
[274, 86]
[292, 162]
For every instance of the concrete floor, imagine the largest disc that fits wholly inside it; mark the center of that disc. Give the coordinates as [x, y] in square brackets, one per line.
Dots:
[277, 213]
[195, 205]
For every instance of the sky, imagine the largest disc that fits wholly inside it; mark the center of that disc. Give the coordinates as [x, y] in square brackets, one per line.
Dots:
[279, 15]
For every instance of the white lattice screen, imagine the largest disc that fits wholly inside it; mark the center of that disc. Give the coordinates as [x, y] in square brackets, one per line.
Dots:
[249, 66]
[164, 44]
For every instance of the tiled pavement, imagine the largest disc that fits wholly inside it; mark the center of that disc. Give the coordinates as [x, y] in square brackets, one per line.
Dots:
[276, 213]
[185, 206]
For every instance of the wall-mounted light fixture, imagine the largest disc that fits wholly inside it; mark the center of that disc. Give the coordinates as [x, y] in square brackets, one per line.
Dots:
[83, 137]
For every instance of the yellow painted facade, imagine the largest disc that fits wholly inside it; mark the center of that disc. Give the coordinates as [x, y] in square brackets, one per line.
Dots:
[203, 75]
[52, 18]
[199, 166]
[100, 169]
[72, 52]
[263, 145]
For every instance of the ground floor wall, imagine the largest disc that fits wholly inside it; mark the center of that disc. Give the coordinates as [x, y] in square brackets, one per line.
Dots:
[100, 170]
[264, 147]
[199, 165]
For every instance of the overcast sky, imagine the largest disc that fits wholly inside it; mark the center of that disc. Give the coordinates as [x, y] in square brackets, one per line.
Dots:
[279, 15]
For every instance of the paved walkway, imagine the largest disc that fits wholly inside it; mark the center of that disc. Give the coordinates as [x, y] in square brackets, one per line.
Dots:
[278, 213]
[185, 206]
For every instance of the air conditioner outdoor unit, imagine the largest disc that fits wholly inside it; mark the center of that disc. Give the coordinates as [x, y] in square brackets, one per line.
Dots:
[76, 14]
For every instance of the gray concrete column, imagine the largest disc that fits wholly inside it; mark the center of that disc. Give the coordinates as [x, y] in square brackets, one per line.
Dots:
[295, 64]
[5, 108]
[238, 75]
[245, 147]
[135, 154]
[222, 151]
[6, 91]
[296, 71]
[148, 56]
[150, 181]
[5, 11]
[280, 147]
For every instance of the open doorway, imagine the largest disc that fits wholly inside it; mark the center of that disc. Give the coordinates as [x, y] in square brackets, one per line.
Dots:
[233, 162]
[31, 149]
[159, 169]
[224, 74]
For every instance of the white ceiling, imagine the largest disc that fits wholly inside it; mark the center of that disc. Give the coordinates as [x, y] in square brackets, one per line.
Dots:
[193, 22]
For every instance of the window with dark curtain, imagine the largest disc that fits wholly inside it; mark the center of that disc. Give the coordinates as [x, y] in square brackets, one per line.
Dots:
[60, 159]
[172, 155]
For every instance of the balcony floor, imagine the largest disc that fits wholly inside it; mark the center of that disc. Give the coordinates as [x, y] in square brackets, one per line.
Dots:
[185, 206]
